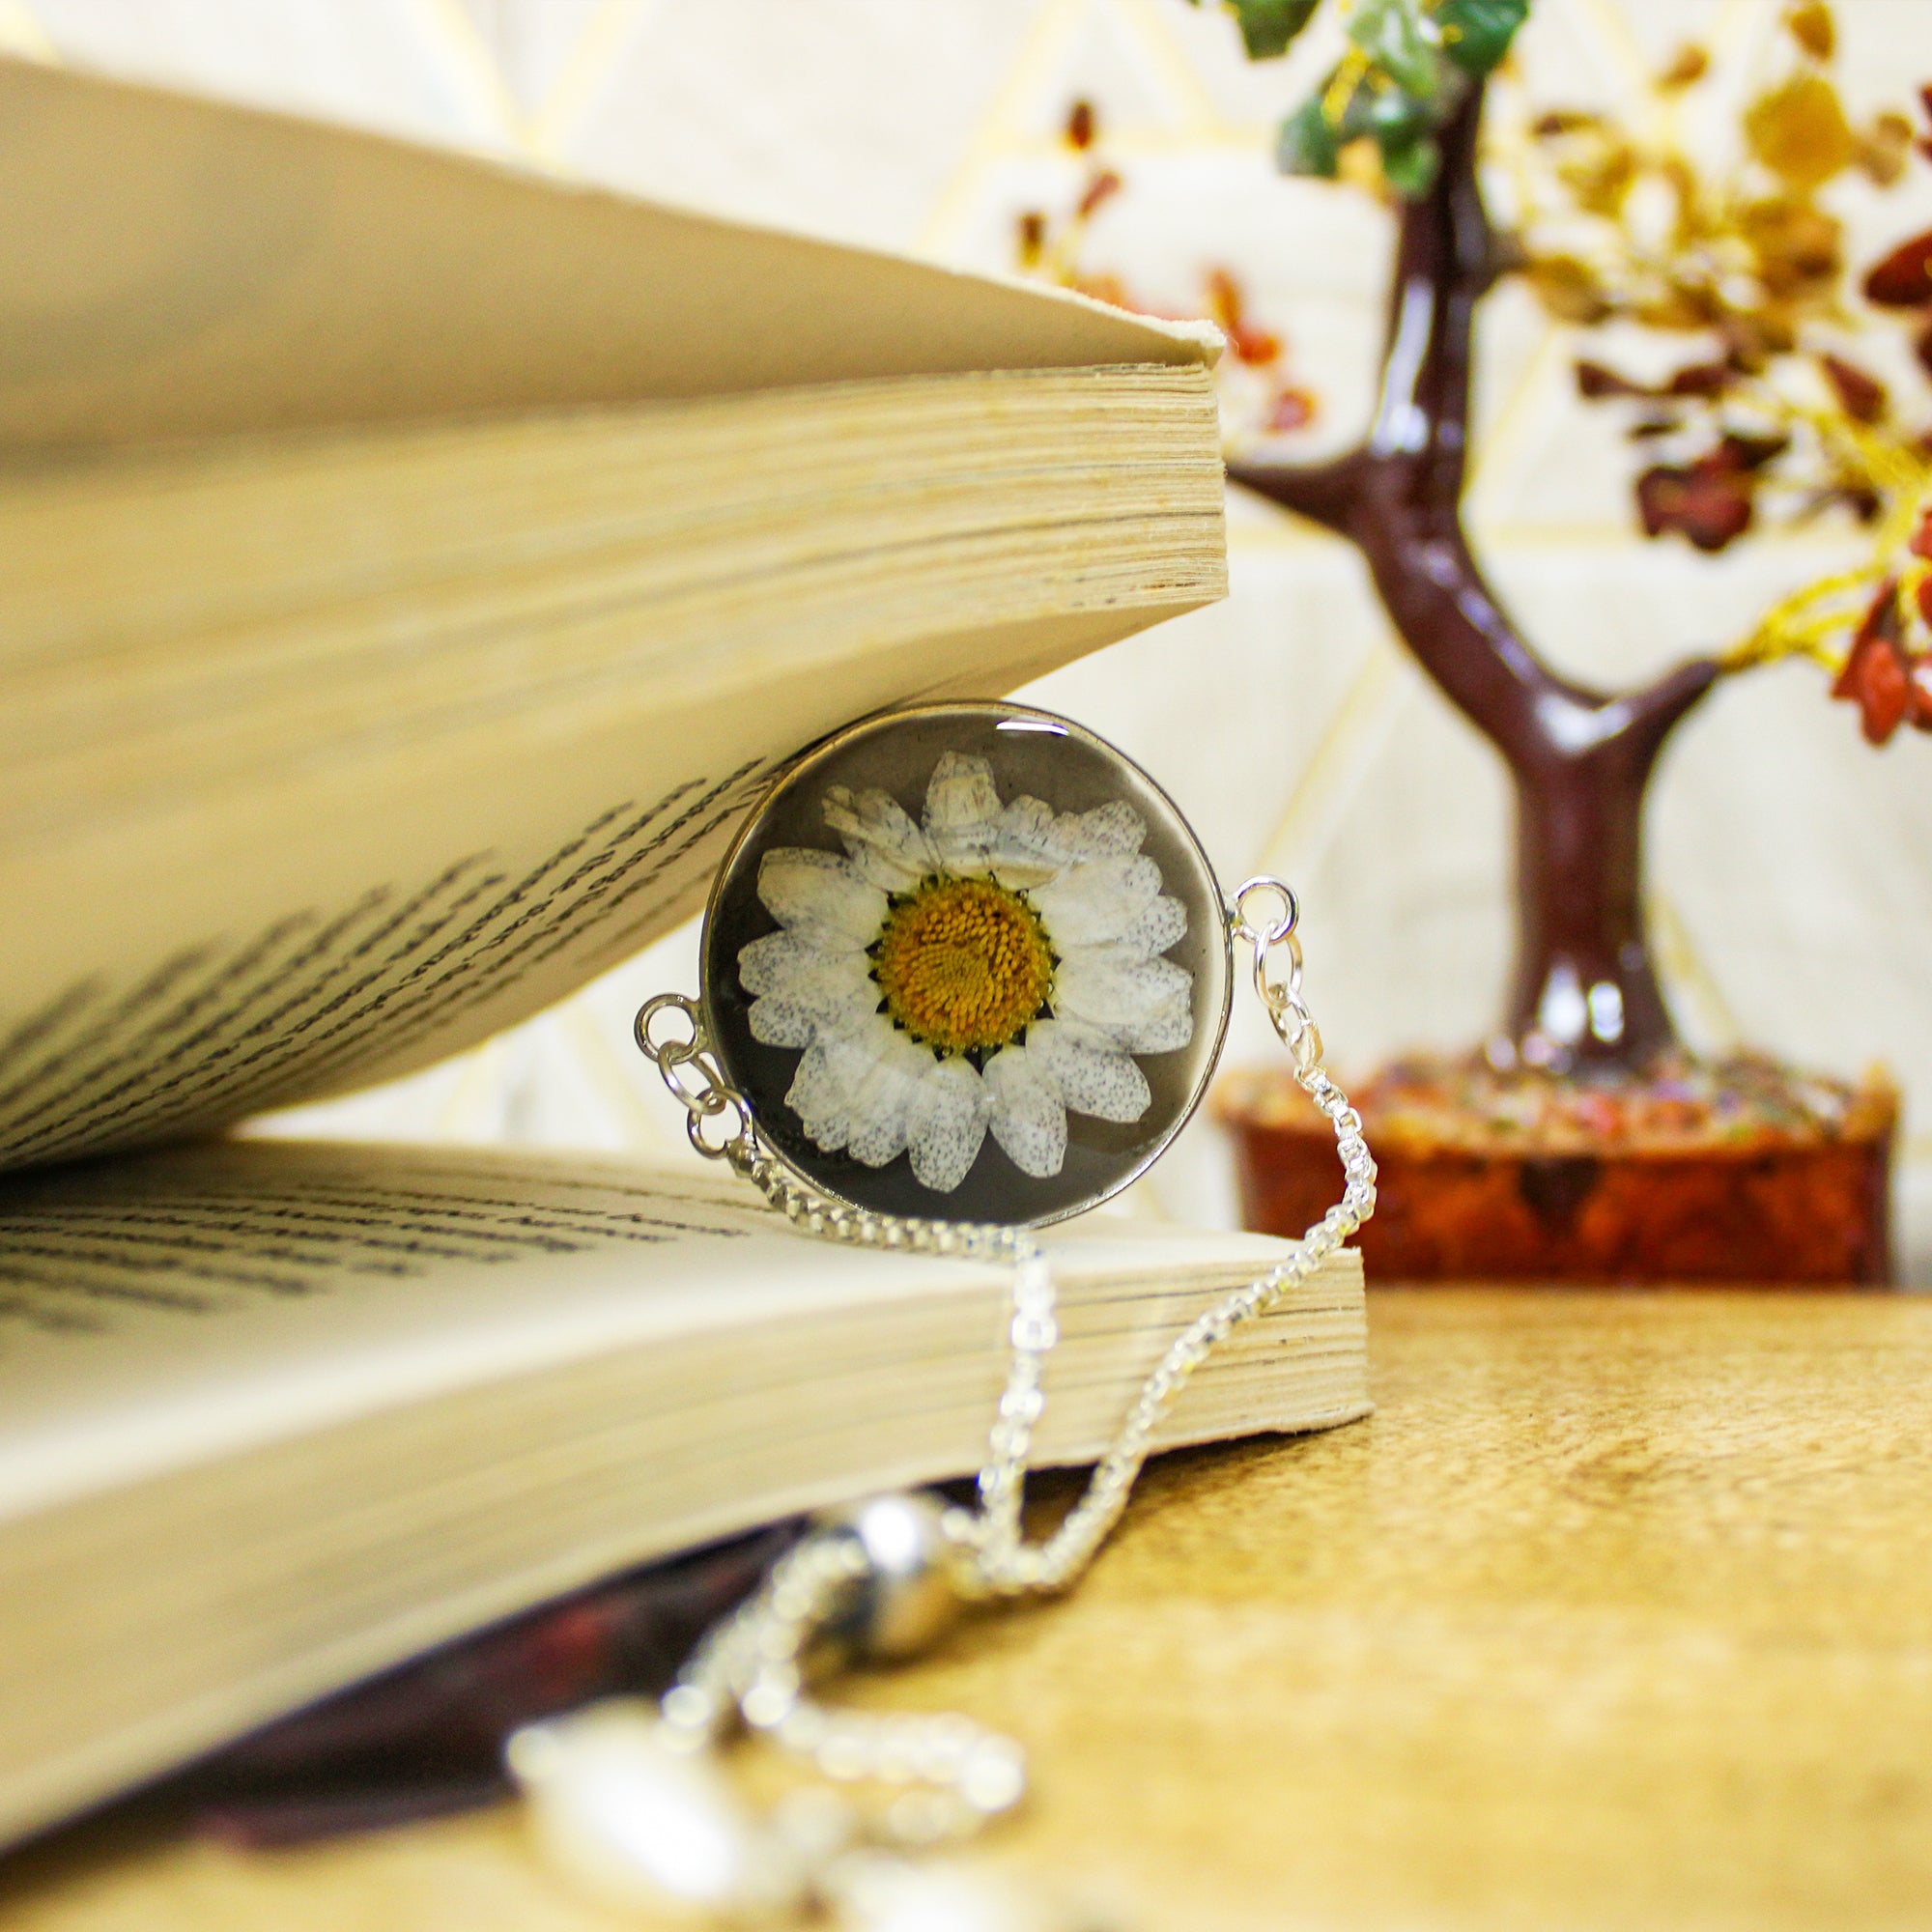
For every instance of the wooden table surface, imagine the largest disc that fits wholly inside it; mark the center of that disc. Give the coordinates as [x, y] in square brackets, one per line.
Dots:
[1618, 1614]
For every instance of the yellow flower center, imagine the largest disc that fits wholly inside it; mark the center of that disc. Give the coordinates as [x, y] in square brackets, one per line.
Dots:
[963, 964]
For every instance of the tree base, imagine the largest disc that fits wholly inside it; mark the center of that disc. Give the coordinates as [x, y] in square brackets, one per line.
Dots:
[1734, 1172]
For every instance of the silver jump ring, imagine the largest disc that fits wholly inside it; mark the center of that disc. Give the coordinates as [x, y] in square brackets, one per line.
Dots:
[670, 1051]
[1275, 994]
[1278, 928]
[692, 1081]
[727, 1102]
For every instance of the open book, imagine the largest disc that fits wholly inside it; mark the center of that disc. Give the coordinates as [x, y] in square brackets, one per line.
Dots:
[274, 1415]
[409, 572]
[411, 569]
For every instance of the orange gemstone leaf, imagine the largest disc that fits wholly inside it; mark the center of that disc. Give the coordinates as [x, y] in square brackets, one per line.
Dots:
[1904, 278]
[1860, 396]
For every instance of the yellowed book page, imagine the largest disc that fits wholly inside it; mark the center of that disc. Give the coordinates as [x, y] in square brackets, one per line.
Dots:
[272, 1416]
[322, 760]
[177, 1308]
[172, 266]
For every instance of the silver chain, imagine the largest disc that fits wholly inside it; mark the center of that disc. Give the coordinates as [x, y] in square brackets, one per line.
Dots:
[951, 1772]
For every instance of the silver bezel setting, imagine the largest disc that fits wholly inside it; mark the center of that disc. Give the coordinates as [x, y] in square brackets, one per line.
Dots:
[1217, 949]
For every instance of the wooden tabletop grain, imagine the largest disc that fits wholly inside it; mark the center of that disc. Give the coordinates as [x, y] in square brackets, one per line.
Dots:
[1618, 1614]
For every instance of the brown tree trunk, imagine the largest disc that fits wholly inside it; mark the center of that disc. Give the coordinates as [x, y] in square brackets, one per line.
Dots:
[1585, 988]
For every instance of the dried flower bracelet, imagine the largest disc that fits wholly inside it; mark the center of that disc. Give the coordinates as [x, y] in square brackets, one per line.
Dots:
[933, 1032]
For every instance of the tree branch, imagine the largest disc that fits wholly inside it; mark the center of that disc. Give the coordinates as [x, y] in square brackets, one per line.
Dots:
[1580, 757]
[1324, 493]
[1398, 495]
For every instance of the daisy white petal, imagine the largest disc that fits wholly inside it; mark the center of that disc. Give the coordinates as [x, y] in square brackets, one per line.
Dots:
[1097, 900]
[880, 837]
[1113, 827]
[820, 1090]
[1026, 825]
[1023, 853]
[962, 812]
[1156, 927]
[1146, 1005]
[1093, 1075]
[828, 1091]
[882, 1104]
[947, 1125]
[828, 995]
[781, 1022]
[781, 960]
[820, 890]
[1029, 1117]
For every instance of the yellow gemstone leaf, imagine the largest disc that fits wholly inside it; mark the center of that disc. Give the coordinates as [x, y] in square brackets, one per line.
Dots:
[1568, 289]
[1800, 132]
[1602, 180]
[1798, 245]
[1688, 67]
[1884, 149]
[1678, 308]
[1810, 26]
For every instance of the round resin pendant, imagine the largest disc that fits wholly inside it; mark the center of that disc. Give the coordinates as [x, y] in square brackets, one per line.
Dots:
[967, 962]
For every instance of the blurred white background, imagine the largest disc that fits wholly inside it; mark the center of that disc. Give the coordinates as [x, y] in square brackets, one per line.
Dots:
[1791, 867]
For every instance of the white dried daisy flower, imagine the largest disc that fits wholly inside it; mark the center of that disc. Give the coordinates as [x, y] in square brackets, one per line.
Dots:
[989, 968]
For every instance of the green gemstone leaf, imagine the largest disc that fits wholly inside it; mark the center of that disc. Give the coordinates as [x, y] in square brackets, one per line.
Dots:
[1308, 144]
[1476, 34]
[1411, 164]
[1394, 36]
[1268, 27]
[1392, 117]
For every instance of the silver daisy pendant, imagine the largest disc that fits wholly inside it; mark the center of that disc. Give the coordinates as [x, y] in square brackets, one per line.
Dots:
[967, 962]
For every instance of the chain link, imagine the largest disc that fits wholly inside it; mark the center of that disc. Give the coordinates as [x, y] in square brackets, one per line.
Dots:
[750, 1667]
